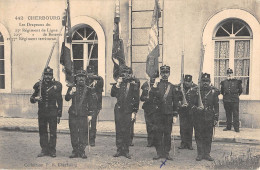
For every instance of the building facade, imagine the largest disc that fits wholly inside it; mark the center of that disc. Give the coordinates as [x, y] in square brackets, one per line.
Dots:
[229, 31]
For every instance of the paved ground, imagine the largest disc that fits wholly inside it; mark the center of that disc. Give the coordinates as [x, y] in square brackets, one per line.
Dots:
[246, 135]
[19, 150]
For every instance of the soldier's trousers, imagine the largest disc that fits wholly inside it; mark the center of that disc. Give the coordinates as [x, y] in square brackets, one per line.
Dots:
[186, 128]
[203, 135]
[48, 145]
[78, 133]
[132, 127]
[163, 130]
[149, 127]
[123, 124]
[232, 110]
[93, 127]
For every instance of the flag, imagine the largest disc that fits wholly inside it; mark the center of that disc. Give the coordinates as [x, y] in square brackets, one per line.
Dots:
[118, 55]
[152, 66]
[65, 58]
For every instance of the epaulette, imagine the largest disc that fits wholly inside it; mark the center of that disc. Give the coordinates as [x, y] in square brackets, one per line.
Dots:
[215, 90]
[145, 86]
[36, 85]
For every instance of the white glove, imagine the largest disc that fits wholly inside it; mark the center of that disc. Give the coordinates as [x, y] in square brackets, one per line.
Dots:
[73, 90]
[89, 118]
[119, 81]
[37, 98]
[156, 81]
[94, 83]
[174, 119]
[133, 115]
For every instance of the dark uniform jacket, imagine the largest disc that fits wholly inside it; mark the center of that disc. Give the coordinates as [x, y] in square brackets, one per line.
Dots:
[51, 104]
[168, 105]
[191, 95]
[97, 90]
[231, 89]
[209, 97]
[83, 102]
[127, 95]
[151, 102]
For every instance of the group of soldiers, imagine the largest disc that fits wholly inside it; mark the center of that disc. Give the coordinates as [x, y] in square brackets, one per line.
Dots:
[161, 104]
[86, 96]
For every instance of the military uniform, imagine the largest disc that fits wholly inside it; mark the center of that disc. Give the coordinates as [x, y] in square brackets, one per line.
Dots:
[50, 107]
[231, 89]
[186, 114]
[95, 83]
[168, 96]
[127, 95]
[204, 119]
[83, 105]
[150, 106]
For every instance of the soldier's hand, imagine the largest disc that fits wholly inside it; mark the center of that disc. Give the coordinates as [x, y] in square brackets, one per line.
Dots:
[119, 81]
[174, 119]
[133, 117]
[184, 105]
[200, 108]
[215, 122]
[73, 90]
[37, 98]
[89, 118]
[58, 120]
[156, 81]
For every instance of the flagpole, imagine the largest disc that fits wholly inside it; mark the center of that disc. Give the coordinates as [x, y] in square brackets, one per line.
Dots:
[130, 34]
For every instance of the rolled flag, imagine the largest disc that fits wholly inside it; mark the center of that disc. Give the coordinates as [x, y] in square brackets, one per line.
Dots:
[152, 65]
[118, 55]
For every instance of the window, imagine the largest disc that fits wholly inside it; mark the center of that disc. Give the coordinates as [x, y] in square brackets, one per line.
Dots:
[2, 62]
[232, 50]
[85, 48]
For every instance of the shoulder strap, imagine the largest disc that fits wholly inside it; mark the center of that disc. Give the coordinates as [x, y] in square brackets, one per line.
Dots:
[167, 91]
[84, 92]
[127, 89]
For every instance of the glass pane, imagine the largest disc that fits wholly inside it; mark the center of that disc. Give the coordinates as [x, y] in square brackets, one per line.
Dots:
[243, 32]
[237, 26]
[95, 64]
[1, 37]
[78, 34]
[221, 33]
[77, 51]
[78, 64]
[220, 67]
[217, 81]
[90, 34]
[245, 84]
[242, 49]
[2, 67]
[2, 82]
[221, 49]
[2, 52]
[228, 26]
[94, 53]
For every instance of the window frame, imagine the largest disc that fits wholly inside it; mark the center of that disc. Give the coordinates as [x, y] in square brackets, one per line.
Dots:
[208, 32]
[76, 22]
[7, 59]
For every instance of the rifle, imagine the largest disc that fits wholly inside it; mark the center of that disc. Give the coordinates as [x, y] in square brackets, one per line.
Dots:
[184, 101]
[200, 104]
[46, 65]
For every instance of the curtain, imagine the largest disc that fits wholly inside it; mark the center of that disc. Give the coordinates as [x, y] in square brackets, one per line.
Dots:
[221, 61]
[242, 63]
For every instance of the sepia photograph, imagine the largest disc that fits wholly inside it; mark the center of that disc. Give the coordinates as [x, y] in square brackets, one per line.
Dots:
[129, 84]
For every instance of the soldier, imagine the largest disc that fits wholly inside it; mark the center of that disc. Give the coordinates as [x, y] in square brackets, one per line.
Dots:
[80, 113]
[95, 84]
[168, 96]
[50, 110]
[126, 90]
[186, 113]
[150, 106]
[231, 89]
[206, 118]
